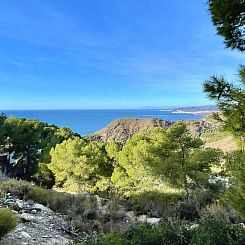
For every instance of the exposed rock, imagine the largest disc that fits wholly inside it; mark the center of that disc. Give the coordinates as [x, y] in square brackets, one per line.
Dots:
[42, 208]
[25, 235]
[142, 218]
[145, 219]
[130, 217]
[27, 217]
[121, 129]
[39, 228]
[153, 220]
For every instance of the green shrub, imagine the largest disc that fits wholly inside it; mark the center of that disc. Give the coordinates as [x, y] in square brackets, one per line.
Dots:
[212, 231]
[111, 239]
[7, 221]
[16, 187]
[154, 202]
[62, 202]
[219, 212]
[190, 207]
[80, 210]
[166, 233]
[209, 231]
[44, 176]
[144, 234]
[40, 195]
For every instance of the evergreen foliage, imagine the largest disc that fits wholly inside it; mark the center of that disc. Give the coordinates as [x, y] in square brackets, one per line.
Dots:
[80, 165]
[235, 195]
[159, 160]
[231, 101]
[30, 141]
[229, 18]
[163, 158]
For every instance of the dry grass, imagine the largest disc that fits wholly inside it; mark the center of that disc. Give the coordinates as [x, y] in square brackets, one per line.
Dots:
[219, 139]
[226, 144]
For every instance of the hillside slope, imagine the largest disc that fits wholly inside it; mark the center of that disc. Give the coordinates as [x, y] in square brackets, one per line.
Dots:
[121, 129]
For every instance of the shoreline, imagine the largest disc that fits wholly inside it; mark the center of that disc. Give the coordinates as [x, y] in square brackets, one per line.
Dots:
[204, 113]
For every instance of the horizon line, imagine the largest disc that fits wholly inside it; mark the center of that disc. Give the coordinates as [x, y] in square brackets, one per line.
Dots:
[74, 109]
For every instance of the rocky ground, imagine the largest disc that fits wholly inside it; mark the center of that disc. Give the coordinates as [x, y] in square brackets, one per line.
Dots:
[40, 226]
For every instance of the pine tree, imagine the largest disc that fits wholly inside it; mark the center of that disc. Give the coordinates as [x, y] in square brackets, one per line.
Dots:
[229, 18]
[231, 101]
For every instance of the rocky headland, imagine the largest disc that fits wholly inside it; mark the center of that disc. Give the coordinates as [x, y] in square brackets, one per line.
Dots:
[121, 129]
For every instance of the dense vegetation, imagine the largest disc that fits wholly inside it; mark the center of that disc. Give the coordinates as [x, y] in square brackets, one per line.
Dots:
[30, 142]
[209, 230]
[171, 159]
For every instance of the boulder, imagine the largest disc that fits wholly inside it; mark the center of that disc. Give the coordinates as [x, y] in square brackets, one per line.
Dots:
[27, 217]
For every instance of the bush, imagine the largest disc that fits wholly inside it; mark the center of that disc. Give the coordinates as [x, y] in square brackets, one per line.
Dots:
[16, 187]
[7, 221]
[190, 207]
[111, 239]
[62, 202]
[80, 210]
[209, 231]
[144, 234]
[40, 195]
[212, 231]
[154, 203]
[219, 212]
[166, 233]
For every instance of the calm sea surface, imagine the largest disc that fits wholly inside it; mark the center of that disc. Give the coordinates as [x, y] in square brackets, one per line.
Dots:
[89, 121]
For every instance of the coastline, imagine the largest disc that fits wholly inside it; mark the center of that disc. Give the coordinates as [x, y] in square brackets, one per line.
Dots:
[203, 113]
[86, 122]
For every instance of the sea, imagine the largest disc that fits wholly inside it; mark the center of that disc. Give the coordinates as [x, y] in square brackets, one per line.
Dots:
[86, 122]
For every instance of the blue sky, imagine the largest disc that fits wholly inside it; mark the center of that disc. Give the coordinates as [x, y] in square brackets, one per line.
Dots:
[108, 53]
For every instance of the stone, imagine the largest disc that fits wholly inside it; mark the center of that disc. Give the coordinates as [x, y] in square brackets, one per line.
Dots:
[25, 235]
[153, 220]
[15, 207]
[41, 207]
[27, 217]
[149, 220]
[142, 218]
[130, 216]
[20, 203]
[46, 236]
